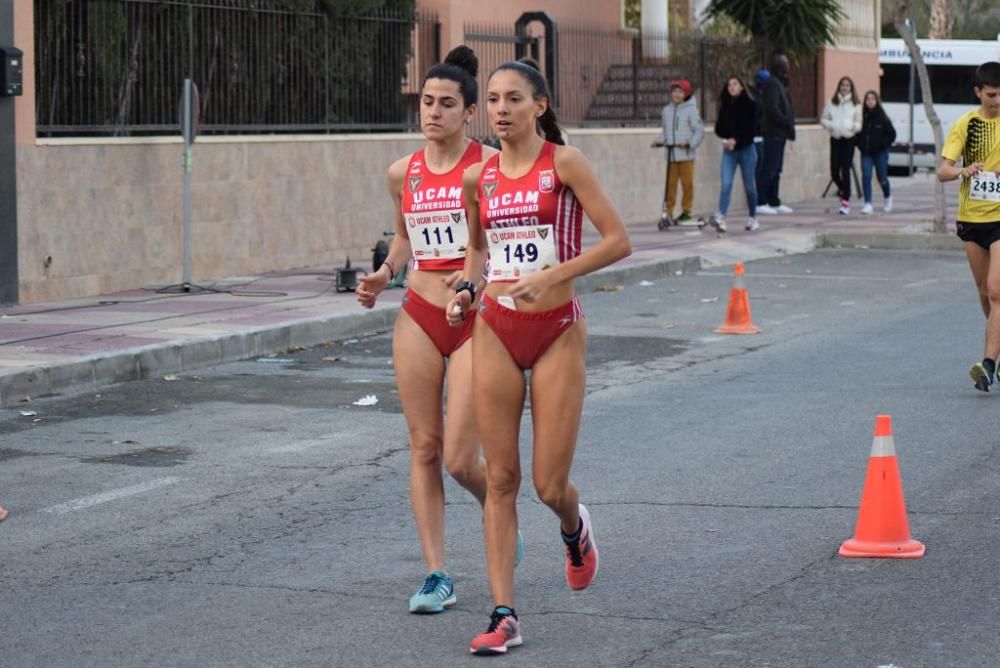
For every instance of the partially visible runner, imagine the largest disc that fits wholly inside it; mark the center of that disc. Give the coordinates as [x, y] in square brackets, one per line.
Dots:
[426, 189]
[526, 209]
[975, 140]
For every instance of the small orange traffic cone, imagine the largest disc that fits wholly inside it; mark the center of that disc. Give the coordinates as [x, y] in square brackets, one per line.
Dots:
[738, 319]
[3, 514]
[882, 529]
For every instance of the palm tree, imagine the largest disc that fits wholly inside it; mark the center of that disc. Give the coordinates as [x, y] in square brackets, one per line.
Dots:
[899, 19]
[942, 19]
[799, 27]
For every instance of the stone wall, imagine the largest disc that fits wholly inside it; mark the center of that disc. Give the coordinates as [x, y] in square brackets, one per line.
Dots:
[100, 216]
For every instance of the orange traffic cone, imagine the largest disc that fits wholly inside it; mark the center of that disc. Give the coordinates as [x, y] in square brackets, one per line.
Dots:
[882, 530]
[738, 312]
[3, 514]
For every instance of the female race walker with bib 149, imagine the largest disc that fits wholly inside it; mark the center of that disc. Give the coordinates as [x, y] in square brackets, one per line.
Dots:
[525, 208]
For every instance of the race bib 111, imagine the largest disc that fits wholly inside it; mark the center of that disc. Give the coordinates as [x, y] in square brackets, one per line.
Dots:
[437, 234]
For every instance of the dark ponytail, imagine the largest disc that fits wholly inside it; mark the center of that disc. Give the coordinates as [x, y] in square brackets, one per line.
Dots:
[547, 122]
[460, 66]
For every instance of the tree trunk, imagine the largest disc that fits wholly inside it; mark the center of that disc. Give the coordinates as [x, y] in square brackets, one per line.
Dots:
[942, 19]
[940, 214]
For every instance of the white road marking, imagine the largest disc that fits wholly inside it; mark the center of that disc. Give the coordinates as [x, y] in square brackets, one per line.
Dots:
[917, 284]
[112, 495]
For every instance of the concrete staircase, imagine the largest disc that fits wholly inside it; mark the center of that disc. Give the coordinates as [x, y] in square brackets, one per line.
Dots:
[613, 102]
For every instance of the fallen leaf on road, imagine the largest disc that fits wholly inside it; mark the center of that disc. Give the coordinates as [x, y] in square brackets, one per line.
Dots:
[610, 288]
[367, 400]
[709, 300]
[29, 413]
[646, 284]
[329, 359]
[170, 377]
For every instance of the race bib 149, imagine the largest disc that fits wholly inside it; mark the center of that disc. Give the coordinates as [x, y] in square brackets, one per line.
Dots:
[517, 251]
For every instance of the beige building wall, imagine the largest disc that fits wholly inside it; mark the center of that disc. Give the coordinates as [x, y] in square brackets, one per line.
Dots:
[109, 214]
[856, 52]
[24, 106]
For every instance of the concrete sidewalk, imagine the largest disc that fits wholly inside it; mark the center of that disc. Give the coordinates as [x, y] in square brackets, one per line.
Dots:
[84, 344]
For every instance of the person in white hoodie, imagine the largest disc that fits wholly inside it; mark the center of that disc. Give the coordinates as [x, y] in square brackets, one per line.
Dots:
[842, 119]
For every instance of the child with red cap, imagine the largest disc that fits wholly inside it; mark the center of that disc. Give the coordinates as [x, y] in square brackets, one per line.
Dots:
[681, 133]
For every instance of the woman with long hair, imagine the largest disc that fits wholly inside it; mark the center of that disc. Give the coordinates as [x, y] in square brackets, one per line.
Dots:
[876, 136]
[426, 188]
[737, 125]
[526, 208]
[842, 119]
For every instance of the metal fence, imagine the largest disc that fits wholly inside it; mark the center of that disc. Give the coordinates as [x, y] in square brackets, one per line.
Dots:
[620, 77]
[116, 67]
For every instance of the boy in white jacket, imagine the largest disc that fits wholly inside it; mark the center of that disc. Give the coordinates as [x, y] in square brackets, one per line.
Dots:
[842, 119]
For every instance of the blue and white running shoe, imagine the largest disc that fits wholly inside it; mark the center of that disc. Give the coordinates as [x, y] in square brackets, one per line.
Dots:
[436, 594]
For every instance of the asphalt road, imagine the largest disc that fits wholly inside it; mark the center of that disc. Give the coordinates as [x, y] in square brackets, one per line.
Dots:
[251, 514]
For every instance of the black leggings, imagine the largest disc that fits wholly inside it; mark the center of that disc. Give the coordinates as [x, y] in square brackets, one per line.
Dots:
[841, 159]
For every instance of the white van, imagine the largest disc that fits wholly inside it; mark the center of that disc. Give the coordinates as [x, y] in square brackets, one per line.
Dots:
[951, 66]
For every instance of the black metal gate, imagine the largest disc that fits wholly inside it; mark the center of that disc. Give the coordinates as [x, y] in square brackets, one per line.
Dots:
[496, 44]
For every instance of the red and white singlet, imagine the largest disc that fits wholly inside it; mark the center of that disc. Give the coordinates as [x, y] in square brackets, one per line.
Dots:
[434, 214]
[532, 223]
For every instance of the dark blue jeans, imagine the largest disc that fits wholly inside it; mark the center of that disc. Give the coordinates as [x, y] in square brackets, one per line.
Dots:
[880, 161]
[746, 159]
[770, 172]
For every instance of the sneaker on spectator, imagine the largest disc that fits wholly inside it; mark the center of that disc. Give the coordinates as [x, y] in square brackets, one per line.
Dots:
[867, 209]
[845, 207]
[764, 208]
[887, 206]
[752, 225]
[781, 208]
[718, 221]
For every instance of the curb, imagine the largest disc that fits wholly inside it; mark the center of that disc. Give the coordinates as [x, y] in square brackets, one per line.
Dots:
[926, 241]
[91, 373]
[94, 372]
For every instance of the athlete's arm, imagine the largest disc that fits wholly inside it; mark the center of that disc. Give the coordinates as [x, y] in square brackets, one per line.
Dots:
[371, 285]
[575, 172]
[453, 278]
[476, 252]
[949, 171]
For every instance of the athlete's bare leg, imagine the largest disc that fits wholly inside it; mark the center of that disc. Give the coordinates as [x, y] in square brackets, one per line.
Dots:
[499, 394]
[420, 376]
[985, 267]
[462, 458]
[979, 263]
[558, 382]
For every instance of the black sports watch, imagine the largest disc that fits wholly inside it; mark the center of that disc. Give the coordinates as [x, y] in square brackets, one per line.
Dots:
[466, 285]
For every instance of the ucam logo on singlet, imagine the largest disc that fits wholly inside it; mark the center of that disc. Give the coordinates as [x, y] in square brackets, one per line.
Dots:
[454, 194]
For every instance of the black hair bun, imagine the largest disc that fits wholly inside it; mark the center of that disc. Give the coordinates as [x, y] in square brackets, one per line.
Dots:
[464, 57]
[530, 62]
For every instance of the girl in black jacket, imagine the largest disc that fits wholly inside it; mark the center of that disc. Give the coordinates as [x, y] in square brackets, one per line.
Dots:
[737, 125]
[874, 140]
